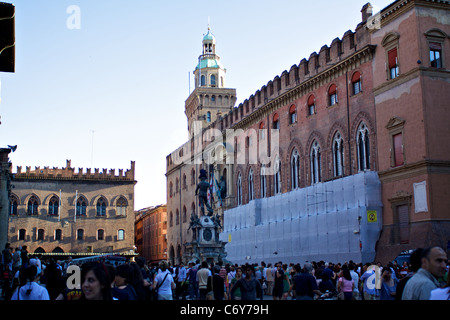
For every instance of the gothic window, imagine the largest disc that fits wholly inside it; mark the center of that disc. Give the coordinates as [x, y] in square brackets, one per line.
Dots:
[295, 169]
[263, 182]
[170, 189]
[239, 190]
[363, 145]
[101, 207]
[13, 204]
[121, 206]
[250, 185]
[277, 176]
[53, 206]
[171, 219]
[338, 155]
[315, 158]
[177, 217]
[32, 206]
[81, 206]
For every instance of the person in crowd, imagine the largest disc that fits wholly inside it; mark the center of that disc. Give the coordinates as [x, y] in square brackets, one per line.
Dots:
[236, 292]
[216, 284]
[164, 283]
[278, 287]
[191, 276]
[355, 278]
[95, 282]
[441, 293]
[31, 290]
[202, 276]
[346, 284]
[388, 285]
[434, 266]
[415, 264]
[249, 287]
[305, 285]
[123, 290]
[269, 279]
[369, 290]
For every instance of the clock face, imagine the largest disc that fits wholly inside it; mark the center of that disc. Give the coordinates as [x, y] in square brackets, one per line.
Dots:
[207, 234]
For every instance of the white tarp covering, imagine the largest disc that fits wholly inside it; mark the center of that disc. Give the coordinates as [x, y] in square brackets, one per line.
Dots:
[337, 221]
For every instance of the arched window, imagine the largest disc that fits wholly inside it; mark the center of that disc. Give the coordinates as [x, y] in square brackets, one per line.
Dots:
[315, 163]
[171, 219]
[121, 234]
[208, 116]
[81, 206]
[13, 204]
[184, 214]
[295, 169]
[338, 155]
[33, 206]
[213, 80]
[356, 83]
[58, 235]
[22, 234]
[170, 189]
[363, 145]
[263, 178]
[277, 176]
[239, 190]
[276, 121]
[203, 80]
[261, 130]
[292, 114]
[311, 105]
[53, 206]
[101, 207]
[250, 185]
[80, 234]
[332, 95]
[121, 206]
[177, 217]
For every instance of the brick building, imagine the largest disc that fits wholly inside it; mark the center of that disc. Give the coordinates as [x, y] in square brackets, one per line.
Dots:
[58, 210]
[151, 233]
[359, 135]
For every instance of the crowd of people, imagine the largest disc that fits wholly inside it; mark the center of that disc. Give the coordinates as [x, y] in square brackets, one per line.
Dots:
[425, 277]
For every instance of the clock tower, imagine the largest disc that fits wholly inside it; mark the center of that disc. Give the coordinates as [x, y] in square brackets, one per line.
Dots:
[210, 98]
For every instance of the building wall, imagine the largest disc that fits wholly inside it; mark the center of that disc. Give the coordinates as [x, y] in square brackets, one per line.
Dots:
[47, 183]
[414, 104]
[151, 233]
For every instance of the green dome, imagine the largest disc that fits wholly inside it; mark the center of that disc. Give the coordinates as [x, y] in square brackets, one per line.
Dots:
[209, 37]
[209, 63]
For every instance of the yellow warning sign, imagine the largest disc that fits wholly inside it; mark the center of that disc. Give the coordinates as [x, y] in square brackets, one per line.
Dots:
[371, 216]
[229, 237]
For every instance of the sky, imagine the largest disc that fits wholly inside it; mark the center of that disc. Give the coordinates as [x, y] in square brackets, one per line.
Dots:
[104, 82]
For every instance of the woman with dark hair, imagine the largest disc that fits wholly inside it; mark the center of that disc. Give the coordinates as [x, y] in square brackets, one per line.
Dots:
[346, 283]
[95, 282]
[123, 290]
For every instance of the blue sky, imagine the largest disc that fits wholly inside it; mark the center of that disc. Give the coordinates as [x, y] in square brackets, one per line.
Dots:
[125, 74]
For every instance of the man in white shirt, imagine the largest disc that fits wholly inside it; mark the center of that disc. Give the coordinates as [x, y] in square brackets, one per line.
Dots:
[202, 275]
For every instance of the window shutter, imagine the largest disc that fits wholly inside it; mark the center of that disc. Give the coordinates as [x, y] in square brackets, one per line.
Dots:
[392, 57]
[356, 77]
[311, 100]
[275, 117]
[403, 220]
[332, 90]
[398, 152]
